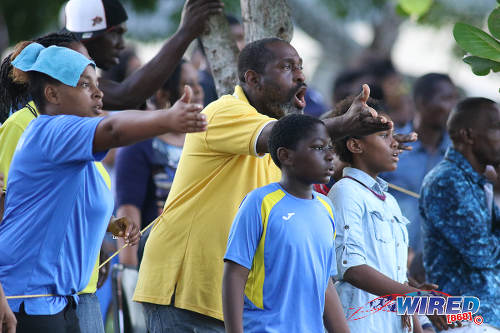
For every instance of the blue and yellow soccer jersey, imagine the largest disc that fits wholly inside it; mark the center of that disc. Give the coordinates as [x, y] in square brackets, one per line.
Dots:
[287, 243]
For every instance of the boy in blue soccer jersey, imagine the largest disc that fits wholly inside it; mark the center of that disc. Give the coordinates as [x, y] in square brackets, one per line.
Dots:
[280, 253]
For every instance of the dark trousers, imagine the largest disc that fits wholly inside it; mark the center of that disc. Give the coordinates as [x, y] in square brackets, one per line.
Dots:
[65, 321]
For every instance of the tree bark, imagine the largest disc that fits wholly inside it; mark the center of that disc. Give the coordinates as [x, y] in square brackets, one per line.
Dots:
[222, 54]
[265, 18]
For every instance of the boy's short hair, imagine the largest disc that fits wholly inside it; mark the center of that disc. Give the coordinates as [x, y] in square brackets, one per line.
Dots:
[288, 131]
[340, 145]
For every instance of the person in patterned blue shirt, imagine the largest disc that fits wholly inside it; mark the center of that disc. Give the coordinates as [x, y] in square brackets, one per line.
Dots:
[461, 221]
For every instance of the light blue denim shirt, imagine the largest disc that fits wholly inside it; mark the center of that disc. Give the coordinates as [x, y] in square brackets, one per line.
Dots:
[370, 231]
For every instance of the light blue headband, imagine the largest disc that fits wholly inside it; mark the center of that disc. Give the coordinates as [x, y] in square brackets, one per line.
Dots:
[60, 63]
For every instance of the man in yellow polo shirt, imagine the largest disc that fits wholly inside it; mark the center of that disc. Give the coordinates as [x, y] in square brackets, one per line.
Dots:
[180, 277]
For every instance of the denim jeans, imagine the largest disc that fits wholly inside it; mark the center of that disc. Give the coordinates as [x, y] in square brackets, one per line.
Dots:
[167, 318]
[89, 314]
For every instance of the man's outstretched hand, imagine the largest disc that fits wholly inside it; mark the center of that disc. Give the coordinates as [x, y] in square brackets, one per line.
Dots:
[403, 139]
[361, 119]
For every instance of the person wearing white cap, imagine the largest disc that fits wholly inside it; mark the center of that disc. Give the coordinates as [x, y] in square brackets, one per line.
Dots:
[100, 25]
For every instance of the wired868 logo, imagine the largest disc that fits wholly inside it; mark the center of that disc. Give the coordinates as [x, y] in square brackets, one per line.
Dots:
[456, 308]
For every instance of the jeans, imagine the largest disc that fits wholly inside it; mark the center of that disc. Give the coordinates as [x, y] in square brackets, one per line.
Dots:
[167, 318]
[89, 314]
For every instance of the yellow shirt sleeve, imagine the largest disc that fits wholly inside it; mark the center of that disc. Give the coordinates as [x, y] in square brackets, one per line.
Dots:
[10, 132]
[234, 127]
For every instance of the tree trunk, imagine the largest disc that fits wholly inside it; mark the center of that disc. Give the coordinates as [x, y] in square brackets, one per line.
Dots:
[265, 18]
[4, 36]
[222, 54]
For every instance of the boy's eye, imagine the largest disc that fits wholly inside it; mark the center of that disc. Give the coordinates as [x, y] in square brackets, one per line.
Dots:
[85, 84]
[322, 148]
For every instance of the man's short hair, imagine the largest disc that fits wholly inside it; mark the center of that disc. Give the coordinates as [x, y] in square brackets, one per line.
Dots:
[425, 86]
[469, 113]
[340, 145]
[288, 131]
[255, 56]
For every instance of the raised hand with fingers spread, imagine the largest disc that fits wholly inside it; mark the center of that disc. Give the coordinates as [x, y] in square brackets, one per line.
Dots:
[196, 13]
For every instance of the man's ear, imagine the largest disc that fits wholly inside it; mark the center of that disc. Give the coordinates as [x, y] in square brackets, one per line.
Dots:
[285, 156]
[467, 135]
[355, 146]
[252, 78]
[51, 94]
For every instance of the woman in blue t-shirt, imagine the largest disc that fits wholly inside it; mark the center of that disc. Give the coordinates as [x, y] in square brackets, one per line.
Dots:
[57, 206]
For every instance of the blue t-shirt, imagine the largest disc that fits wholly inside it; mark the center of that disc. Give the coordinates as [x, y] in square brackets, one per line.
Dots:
[287, 243]
[57, 210]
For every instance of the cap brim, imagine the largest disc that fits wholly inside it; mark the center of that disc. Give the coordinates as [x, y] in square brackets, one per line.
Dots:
[84, 35]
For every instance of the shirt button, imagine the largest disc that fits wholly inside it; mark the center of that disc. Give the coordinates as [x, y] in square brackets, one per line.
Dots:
[344, 262]
[346, 227]
[392, 220]
[399, 268]
[397, 244]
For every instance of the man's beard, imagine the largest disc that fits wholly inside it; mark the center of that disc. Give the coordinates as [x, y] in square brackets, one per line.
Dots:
[280, 110]
[290, 108]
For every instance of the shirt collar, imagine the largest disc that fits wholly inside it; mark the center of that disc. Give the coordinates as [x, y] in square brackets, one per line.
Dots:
[463, 164]
[240, 94]
[379, 186]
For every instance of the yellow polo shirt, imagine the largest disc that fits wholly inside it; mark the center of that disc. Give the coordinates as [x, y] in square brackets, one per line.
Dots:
[10, 132]
[185, 250]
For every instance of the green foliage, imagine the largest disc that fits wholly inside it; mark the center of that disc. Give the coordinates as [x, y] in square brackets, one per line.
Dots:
[476, 41]
[415, 8]
[494, 23]
[483, 47]
[482, 66]
[29, 18]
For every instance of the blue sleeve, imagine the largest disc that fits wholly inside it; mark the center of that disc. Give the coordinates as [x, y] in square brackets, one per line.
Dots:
[67, 139]
[350, 241]
[132, 173]
[246, 232]
[455, 214]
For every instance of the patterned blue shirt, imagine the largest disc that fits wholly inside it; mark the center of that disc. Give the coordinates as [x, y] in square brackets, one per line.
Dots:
[461, 234]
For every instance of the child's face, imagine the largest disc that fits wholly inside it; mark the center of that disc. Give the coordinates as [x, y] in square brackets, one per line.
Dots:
[312, 161]
[379, 153]
[84, 100]
[189, 76]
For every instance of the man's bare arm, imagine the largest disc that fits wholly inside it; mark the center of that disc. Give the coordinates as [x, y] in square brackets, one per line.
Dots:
[144, 82]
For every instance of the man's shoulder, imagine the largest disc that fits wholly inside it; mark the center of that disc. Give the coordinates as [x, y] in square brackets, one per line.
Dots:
[228, 103]
[443, 174]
